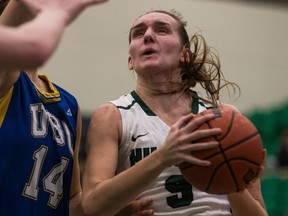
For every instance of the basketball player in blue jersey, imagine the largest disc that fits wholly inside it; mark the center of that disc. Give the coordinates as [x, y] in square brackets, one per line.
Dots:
[40, 123]
[135, 143]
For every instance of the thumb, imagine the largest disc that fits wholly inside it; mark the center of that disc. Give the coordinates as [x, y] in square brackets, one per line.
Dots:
[32, 5]
[92, 2]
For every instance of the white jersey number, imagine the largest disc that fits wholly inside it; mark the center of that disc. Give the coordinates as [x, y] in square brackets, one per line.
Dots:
[52, 182]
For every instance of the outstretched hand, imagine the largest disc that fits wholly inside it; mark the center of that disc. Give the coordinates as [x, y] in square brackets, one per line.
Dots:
[69, 8]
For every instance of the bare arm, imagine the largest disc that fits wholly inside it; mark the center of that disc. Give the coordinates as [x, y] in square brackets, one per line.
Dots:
[32, 43]
[29, 45]
[249, 201]
[75, 191]
[99, 181]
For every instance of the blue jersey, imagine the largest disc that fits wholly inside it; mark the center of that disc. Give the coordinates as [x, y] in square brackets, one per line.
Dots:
[37, 137]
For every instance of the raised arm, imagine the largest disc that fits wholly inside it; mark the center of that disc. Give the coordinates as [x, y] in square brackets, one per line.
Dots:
[30, 44]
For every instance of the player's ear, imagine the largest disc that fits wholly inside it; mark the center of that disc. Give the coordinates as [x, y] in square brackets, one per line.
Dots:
[130, 64]
[182, 57]
[186, 55]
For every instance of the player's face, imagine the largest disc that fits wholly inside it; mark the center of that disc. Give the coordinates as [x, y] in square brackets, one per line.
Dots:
[155, 43]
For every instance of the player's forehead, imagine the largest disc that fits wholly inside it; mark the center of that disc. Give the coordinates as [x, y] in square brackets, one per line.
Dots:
[155, 18]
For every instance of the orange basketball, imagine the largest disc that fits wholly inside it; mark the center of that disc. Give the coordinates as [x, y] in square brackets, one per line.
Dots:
[236, 160]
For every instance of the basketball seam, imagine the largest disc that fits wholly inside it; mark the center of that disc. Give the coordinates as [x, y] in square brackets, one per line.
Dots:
[224, 155]
[217, 153]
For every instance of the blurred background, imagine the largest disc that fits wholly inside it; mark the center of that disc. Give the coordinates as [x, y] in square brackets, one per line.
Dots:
[251, 37]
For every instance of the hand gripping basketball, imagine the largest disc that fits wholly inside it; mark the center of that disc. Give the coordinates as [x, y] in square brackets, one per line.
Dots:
[235, 162]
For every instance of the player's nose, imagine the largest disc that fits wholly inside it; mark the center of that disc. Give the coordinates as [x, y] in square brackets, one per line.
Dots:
[149, 36]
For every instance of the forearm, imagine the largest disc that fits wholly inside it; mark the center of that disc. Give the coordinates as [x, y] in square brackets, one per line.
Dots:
[31, 44]
[122, 188]
[75, 205]
[242, 203]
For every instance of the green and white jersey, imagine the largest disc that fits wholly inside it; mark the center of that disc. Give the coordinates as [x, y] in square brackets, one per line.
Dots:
[143, 133]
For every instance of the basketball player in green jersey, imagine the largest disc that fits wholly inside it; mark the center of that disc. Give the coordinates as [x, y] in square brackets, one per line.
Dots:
[136, 142]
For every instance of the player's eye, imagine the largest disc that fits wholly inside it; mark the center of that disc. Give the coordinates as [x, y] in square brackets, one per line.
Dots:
[137, 34]
[162, 30]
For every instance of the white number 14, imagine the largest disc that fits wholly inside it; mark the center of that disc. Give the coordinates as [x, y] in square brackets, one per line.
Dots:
[52, 182]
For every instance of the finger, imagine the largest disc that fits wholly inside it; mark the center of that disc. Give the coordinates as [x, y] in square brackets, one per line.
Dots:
[32, 6]
[184, 120]
[200, 146]
[141, 204]
[147, 212]
[189, 136]
[196, 122]
[190, 148]
[196, 161]
[92, 2]
[201, 134]
[145, 203]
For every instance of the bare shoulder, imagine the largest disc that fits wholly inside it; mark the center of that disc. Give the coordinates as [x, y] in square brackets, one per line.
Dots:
[105, 125]
[106, 111]
[106, 116]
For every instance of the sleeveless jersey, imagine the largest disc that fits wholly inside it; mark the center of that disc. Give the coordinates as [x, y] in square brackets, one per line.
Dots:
[37, 136]
[144, 132]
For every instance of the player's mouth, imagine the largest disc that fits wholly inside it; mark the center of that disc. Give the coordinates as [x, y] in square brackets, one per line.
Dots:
[149, 52]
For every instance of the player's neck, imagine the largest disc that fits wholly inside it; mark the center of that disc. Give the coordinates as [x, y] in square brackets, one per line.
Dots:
[41, 84]
[169, 107]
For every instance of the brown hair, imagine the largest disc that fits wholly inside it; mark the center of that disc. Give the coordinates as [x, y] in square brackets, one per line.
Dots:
[201, 63]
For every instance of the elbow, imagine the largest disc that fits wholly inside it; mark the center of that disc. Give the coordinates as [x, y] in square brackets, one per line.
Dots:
[87, 207]
[91, 207]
